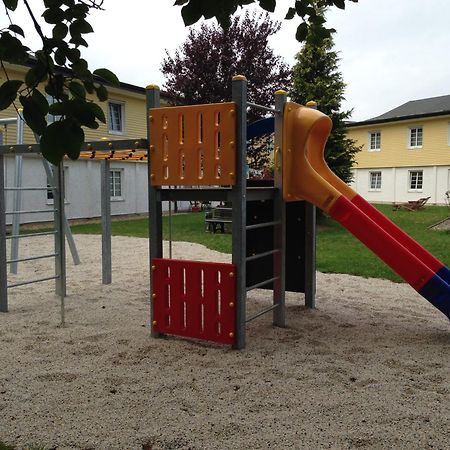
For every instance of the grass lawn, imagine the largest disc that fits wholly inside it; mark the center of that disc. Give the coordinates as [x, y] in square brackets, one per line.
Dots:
[337, 250]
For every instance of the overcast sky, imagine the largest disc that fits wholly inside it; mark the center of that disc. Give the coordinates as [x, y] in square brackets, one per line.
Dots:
[392, 51]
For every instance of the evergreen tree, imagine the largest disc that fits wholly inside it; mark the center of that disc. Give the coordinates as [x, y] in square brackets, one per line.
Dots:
[316, 77]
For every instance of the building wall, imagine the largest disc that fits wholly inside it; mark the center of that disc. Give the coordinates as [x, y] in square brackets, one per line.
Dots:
[394, 150]
[83, 189]
[395, 184]
[134, 113]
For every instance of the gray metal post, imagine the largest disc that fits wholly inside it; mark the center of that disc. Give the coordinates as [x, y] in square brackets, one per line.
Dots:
[106, 222]
[310, 247]
[67, 230]
[239, 199]
[154, 205]
[60, 242]
[3, 268]
[279, 262]
[17, 197]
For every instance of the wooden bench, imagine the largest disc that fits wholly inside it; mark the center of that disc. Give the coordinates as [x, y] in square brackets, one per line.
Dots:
[217, 218]
[412, 205]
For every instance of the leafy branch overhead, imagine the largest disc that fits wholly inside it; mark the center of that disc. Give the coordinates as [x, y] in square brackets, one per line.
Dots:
[310, 12]
[58, 70]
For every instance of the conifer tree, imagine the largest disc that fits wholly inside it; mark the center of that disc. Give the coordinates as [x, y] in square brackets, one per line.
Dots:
[316, 77]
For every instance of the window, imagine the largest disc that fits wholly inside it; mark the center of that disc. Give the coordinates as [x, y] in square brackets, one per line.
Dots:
[415, 137]
[116, 117]
[116, 184]
[374, 140]
[375, 180]
[415, 180]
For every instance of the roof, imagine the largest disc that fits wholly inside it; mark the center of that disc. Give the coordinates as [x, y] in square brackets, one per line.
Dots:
[414, 109]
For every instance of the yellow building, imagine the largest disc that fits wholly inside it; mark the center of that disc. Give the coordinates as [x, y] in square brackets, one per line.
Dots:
[405, 152]
[125, 113]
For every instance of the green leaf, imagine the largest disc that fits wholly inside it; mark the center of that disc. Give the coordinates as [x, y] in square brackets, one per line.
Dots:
[180, 2]
[101, 92]
[78, 40]
[53, 15]
[60, 57]
[12, 50]
[98, 111]
[16, 29]
[60, 31]
[78, 11]
[10, 4]
[77, 90]
[80, 26]
[40, 101]
[59, 138]
[57, 109]
[268, 5]
[290, 14]
[53, 3]
[80, 68]
[192, 12]
[33, 114]
[36, 75]
[339, 3]
[302, 32]
[89, 86]
[107, 75]
[8, 92]
[73, 55]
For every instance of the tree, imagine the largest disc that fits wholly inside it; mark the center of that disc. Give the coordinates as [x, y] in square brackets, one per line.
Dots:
[70, 87]
[316, 77]
[63, 72]
[201, 69]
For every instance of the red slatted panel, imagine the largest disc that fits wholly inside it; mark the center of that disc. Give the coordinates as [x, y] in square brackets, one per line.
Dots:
[194, 299]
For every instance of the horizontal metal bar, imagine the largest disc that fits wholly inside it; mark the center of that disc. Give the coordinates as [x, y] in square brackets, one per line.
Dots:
[32, 258]
[208, 194]
[260, 193]
[18, 236]
[262, 255]
[262, 283]
[262, 225]
[262, 313]
[32, 281]
[31, 211]
[264, 108]
[12, 188]
[8, 120]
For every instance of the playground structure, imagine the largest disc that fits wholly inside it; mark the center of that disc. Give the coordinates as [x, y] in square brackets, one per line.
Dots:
[205, 145]
[273, 230]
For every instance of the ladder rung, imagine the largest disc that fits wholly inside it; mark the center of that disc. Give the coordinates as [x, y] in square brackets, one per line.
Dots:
[262, 312]
[31, 211]
[32, 258]
[44, 233]
[262, 255]
[262, 283]
[32, 281]
[262, 225]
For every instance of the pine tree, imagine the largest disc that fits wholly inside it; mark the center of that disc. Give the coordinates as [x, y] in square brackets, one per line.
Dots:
[316, 77]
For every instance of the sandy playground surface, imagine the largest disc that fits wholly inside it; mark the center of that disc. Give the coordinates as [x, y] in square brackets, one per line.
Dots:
[369, 368]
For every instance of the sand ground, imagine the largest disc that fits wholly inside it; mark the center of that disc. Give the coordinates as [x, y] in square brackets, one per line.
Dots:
[369, 368]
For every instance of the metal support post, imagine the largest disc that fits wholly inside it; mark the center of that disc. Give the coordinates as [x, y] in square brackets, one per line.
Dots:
[67, 230]
[154, 205]
[239, 196]
[60, 259]
[17, 196]
[106, 222]
[279, 260]
[3, 265]
[310, 247]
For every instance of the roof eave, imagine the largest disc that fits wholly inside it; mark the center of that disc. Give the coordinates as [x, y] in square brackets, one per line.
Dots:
[398, 119]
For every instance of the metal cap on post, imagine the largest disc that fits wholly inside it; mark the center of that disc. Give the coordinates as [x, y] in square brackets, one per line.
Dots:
[239, 97]
[154, 205]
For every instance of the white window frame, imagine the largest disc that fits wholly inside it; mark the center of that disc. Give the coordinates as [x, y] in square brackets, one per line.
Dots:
[410, 133]
[116, 198]
[50, 200]
[377, 134]
[111, 127]
[410, 177]
[378, 180]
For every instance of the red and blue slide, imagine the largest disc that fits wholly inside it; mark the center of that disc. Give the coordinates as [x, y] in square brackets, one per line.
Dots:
[306, 176]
